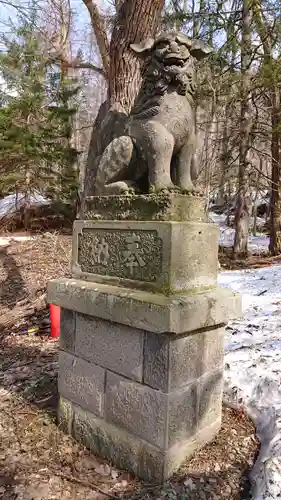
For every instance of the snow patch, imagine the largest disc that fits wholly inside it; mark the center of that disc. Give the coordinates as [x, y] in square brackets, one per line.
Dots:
[257, 244]
[5, 241]
[11, 203]
[253, 368]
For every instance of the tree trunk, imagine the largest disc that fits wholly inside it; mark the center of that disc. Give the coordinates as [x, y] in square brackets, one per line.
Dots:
[135, 21]
[255, 208]
[240, 248]
[275, 199]
[211, 130]
[224, 153]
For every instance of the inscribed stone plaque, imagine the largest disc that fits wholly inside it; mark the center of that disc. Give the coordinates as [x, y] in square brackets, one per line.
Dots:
[135, 255]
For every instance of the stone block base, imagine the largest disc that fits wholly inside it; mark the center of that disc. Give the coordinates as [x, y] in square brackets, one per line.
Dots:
[141, 375]
[125, 449]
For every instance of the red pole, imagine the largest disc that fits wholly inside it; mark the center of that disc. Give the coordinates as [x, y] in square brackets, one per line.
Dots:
[55, 321]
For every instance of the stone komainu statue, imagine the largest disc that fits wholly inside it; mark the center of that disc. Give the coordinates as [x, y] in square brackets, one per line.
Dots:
[158, 147]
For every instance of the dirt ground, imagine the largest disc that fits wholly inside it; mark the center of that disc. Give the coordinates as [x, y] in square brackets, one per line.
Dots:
[251, 262]
[38, 461]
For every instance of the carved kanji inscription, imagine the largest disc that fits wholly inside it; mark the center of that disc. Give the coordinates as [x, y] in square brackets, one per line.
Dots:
[127, 254]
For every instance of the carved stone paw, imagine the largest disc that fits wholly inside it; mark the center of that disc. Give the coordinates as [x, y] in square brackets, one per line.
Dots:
[188, 187]
[120, 187]
[162, 186]
[192, 190]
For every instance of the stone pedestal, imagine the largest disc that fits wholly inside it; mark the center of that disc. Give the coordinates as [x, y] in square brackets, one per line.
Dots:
[142, 332]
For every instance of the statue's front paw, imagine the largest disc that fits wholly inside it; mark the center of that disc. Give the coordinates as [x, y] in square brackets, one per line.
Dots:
[118, 188]
[187, 186]
[162, 186]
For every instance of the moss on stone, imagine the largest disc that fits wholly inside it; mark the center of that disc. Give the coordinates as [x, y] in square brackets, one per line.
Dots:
[65, 415]
[156, 206]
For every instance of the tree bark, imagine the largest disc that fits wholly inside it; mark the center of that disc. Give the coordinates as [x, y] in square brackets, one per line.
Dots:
[224, 154]
[135, 21]
[242, 216]
[255, 208]
[275, 199]
[265, 35]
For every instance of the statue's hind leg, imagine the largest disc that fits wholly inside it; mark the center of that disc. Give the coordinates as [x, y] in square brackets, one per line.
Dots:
[114, 167]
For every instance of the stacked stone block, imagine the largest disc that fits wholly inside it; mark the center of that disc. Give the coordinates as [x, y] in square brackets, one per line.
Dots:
[141, 360]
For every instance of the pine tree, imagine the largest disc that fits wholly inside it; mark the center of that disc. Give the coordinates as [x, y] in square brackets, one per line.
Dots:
[35, 120]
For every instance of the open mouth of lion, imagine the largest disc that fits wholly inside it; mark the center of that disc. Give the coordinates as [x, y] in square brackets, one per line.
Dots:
[175, 59]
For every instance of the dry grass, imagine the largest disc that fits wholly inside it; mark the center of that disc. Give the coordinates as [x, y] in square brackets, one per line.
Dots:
[25, 268]
[39, 462]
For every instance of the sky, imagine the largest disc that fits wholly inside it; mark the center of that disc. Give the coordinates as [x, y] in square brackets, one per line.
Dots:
[82, 33]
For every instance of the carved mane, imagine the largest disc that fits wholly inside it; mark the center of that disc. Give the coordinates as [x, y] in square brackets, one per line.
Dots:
[158, 80]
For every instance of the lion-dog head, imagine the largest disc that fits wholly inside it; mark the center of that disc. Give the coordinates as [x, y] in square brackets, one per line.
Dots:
[170, 63]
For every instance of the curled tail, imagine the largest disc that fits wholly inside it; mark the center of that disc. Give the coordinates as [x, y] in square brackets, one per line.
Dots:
[115, 163]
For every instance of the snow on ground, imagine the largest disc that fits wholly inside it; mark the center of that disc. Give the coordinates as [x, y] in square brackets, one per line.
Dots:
[5, 241]
[10, 203]
[257, 244]
[253, 368]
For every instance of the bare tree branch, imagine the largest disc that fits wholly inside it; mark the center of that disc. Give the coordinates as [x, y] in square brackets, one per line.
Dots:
[85, 65]
[100, 33]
